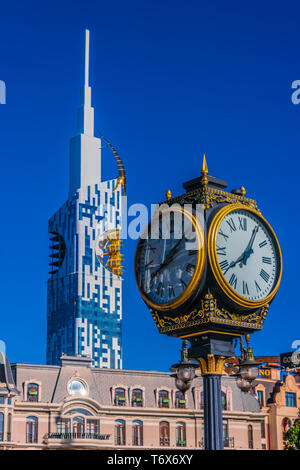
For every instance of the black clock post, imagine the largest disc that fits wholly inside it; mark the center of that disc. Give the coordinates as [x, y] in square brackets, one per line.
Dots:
[214, 294]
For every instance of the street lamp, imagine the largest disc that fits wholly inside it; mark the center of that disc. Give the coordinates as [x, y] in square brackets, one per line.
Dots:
[184, 371]
[248, 369]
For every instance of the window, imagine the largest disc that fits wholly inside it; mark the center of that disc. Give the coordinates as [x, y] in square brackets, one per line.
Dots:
[260, 397]
[9, 401]
[31, 429]
[164, 433]
[227, 441]
[263, 429]
[137, 397]
[78, 426]
[92, 428]
[163, 399]
[63, 426]
[290, 399]
[1, 426]
[250, 436]
[180, 434]
[32, 392]
[286, 424]
[202, 400]
[1, 400]
[137, 433]
[120, 399]
[9, 427]
[76, 388]
[180, 400]
[120, 438]
[223, 401]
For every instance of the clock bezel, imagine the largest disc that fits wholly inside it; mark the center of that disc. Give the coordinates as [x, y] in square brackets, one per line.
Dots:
[215, 267]
[199, 268]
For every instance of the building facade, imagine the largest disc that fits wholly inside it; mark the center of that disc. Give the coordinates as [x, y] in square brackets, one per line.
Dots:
[279, 398]
[76, 405]
[84, 298]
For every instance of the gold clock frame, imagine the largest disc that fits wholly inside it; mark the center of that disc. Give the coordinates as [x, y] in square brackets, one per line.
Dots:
[201, 257]
[217, 272]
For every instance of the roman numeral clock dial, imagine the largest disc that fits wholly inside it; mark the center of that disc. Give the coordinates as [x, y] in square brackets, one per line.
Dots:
[170, 258]
[245, 256]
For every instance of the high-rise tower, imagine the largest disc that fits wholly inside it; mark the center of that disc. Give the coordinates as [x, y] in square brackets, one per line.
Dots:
[84, 298]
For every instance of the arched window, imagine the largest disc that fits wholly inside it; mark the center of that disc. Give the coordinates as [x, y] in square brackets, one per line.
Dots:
[137, 397]
[180, 400]
[164, 433]
[77, 388]
[163, 399]
[137, 433]
[120, 437]
[32, 392]
[31, 429]
[180, 434]
[120, 398]
[1, 426]
[78, 426]
[250, 436]
[223, 401]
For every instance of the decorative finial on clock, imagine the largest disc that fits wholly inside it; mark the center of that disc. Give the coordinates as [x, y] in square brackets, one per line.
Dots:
[204, 172]
[243, 191]
[168, 194]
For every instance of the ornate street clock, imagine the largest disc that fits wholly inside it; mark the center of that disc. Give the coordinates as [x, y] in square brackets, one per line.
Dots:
[208, 262]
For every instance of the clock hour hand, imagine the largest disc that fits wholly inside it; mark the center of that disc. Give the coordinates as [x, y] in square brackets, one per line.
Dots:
[233, 263]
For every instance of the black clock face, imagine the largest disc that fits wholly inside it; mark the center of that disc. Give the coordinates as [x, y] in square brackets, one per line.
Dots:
[245, 255]
[170, 261]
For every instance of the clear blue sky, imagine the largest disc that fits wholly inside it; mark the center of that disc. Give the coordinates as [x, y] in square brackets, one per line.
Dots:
[170, 80]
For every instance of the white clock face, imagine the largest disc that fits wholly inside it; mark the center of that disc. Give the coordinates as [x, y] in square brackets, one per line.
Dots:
[247, 254]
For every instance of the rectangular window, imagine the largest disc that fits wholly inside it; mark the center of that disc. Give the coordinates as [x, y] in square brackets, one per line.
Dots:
[1, 400]
[92, 428]
[260, 397]
[290, 399]
[263, 429]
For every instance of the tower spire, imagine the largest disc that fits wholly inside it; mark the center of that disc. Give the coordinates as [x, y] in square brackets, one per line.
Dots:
[85, 148]
[86, 112]
[87, 58]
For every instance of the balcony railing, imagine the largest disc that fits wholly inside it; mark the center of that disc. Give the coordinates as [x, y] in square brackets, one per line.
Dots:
[31, 438]
[74, 435]
[228, 443]
[164, 441]
[120, 401]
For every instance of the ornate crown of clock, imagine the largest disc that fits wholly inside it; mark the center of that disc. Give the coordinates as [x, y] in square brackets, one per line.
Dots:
[208, 262]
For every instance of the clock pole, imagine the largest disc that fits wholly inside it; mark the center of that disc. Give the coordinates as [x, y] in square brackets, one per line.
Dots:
[211, 354]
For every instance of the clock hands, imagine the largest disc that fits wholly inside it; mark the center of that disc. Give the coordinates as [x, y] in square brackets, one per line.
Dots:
[248, 251]
[168, 258]
[242, 259]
